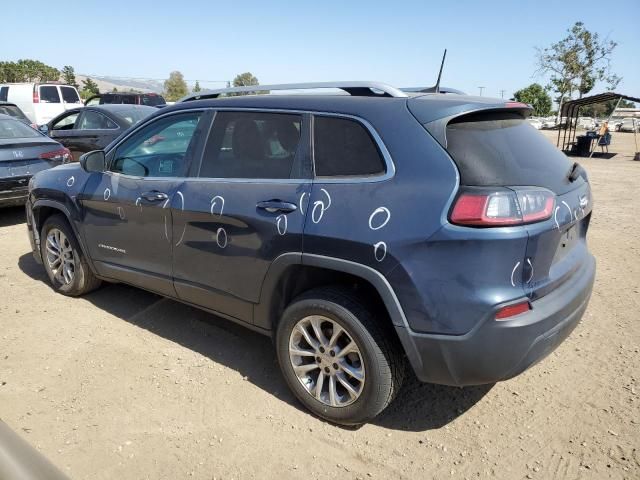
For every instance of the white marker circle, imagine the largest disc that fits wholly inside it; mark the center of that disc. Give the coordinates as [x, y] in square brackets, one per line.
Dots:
[328, 199]
[221, 237]
[106, 194]
[302, 202]
[380, 251]
[383, 214]
[282, 224]
[71, 181]
[121, 213]
[214, 202]
[316, 218]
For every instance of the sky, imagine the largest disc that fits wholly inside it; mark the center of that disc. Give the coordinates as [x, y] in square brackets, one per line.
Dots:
[490, 44]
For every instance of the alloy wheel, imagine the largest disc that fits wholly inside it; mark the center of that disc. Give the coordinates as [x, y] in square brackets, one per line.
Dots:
[60, 257]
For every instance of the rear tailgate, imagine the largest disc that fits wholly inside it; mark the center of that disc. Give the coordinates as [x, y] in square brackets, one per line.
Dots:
[495, 147]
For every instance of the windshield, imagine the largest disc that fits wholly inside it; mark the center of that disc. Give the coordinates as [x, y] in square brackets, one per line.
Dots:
[493, 149]
[10, 128]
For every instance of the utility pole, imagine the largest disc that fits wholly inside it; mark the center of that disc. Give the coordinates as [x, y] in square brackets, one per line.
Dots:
[481, 88]
[501, 93]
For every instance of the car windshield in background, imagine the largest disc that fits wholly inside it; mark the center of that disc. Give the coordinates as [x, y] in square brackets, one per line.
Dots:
[135, 114]
[152, 100]
[69, 95]
[10, 128]
[14, 112]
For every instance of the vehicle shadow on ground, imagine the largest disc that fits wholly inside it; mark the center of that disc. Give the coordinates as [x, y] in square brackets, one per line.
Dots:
[418, 407]
[12, 216]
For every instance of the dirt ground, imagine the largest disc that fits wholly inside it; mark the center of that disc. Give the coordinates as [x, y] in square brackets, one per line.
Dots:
[123, 384]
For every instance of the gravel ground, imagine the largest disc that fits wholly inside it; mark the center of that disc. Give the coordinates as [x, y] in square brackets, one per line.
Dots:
[125, 384]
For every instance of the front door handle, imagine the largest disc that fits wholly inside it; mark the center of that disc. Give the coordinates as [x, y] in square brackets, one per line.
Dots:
[274, 206]
[154, 196]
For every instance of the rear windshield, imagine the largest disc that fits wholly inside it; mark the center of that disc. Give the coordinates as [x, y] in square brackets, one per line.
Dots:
[14, 129]
[13, 111]
[152, 100]
[502, 149]
[69, 95]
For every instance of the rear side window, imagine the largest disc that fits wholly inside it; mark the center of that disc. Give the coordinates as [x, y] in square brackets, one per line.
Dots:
[69, 95]
[91, 120]
[502, 149]
[4, 93]
[49, 94]
[253, 145]
[344, 147]
[152, 100]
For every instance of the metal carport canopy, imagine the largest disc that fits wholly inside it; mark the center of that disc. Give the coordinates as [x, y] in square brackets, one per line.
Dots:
[601, 97]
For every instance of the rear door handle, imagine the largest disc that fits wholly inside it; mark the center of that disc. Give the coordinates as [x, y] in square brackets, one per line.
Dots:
[274, 206]
[154, 196]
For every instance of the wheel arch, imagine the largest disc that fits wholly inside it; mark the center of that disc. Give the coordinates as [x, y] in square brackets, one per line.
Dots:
[293, 273]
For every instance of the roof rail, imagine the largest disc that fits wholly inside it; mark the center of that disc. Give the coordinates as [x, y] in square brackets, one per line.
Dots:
[432, 90]
[359, 89]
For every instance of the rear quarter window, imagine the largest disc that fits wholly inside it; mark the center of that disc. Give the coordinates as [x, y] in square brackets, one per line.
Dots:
[502, 149]
[344, 148]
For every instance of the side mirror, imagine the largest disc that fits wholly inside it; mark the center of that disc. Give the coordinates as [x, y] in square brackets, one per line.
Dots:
[44, 129]
[93, 161]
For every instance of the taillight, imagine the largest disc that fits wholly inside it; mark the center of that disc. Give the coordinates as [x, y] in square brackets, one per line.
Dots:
[36, 97]
[62, 155]
[512, 310]
[495, 207]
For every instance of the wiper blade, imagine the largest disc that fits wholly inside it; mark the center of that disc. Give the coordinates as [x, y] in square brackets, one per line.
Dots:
[575, 172]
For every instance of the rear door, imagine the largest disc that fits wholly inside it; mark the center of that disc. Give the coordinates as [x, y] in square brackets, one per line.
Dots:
[242, 209]
[49, 104]
[70, 97]
[128, 222]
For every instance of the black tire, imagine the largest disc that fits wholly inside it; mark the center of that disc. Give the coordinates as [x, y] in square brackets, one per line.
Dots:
[83, 280]
[383, 361]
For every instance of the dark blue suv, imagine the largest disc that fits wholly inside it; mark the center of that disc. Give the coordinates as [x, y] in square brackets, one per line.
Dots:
[363, 232]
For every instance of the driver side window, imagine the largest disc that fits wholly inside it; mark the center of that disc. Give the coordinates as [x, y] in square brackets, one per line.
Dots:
[160, 149]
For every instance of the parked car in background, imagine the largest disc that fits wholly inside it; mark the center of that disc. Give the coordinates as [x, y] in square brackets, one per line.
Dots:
[362, 232]
[586, 123]
[535, 123]
[129, 98]
[92, 128]
[11, 109]
[23, 152]
[549, 123]
[615, 123]
[630, 125]
[40, 102]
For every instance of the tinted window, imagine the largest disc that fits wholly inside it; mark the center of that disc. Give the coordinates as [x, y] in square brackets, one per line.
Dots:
[69, 95]
[152, 100]
[13, 111]
[133, 115]
[502, 149]
[4, 93]
[10, 128]
[65, 123]
[91, 120]
[252, 145]
[344, 147]
[49, 94]
[161, 149]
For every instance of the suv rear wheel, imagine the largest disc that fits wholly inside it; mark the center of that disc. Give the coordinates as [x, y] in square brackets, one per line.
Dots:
[336, 358]
[63, 260]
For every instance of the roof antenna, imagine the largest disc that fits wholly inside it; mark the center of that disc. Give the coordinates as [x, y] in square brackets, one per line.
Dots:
[437, 87]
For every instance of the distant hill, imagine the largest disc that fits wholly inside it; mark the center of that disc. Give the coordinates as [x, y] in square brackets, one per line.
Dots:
[107, 84]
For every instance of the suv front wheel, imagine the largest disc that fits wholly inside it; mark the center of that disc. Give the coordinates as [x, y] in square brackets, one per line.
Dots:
[337, 358]
[63, 259]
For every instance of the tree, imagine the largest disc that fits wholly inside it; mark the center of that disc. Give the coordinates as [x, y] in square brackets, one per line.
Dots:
[577, 62]
[26, 70]
[114, 89]
[89, 88]
[536, 96]
[196, 87]
[69, 76]
[245, 79]
[175, 87]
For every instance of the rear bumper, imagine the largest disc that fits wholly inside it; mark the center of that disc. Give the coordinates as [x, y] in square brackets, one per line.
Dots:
[498, 350]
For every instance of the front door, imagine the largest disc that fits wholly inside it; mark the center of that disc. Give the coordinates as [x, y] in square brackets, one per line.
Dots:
[242, 210]
[128, 224]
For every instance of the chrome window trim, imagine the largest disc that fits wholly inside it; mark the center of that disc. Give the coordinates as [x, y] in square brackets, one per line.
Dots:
[390, 173]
